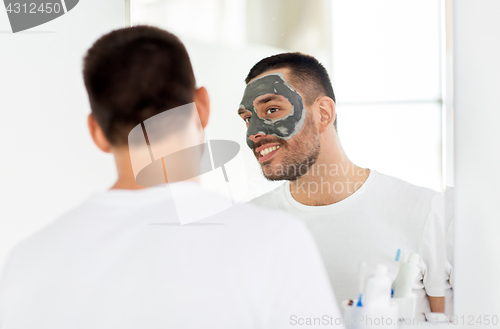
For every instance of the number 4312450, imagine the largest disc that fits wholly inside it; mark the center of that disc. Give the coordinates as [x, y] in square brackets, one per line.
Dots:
[33, 8]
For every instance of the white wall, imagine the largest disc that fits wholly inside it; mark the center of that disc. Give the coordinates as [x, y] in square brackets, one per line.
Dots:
[48, 162]
[477, 157]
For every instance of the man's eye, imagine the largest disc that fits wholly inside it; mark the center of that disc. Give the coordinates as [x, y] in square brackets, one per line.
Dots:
[272, 110]
[247, 119]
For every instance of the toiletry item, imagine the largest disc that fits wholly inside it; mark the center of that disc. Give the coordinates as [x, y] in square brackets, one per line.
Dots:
[406, 307]
[377, 291]
[350, 312]
[363, 268]
[407, 274]
[354, 317]
[400, 257]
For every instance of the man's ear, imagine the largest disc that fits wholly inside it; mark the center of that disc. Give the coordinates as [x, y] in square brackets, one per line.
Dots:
[327, 113]
[202, 101]
[98, 135]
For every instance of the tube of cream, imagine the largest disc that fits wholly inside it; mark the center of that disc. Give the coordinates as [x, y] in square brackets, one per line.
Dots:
[407, 274]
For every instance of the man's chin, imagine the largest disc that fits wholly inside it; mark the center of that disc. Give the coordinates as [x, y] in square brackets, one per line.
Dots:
[269, 170]
[281, 177]
[271, 165]
[274, 171]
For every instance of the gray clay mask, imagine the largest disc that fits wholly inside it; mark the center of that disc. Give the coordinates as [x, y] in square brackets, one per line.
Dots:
[285, 127]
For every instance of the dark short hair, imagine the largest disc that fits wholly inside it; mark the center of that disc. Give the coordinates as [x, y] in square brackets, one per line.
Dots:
[307, 74]
[134, 73]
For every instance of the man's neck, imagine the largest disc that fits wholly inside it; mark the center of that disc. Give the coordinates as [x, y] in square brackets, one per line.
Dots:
[331, 179]
[126, 184]
[126, 180]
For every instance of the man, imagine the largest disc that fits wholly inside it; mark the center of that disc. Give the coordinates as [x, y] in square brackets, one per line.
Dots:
[122, 260]
[355, 214]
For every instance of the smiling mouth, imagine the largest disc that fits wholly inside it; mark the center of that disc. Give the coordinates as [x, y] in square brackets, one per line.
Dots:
[266, 153]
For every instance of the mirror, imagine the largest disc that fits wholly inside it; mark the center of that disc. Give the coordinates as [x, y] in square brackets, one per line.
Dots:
[390, 66]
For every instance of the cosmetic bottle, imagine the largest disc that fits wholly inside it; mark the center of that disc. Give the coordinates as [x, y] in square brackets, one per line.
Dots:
[378, 288]
[403, 296]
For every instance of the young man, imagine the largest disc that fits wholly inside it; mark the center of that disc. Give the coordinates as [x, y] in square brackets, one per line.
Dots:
[122, 260]
[355, 214]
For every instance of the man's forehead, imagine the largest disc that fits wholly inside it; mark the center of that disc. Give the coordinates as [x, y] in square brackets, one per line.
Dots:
[269, 77]
[270, 83]
[283, 72]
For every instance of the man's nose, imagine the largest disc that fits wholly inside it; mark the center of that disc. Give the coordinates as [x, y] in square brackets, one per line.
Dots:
[255, 137]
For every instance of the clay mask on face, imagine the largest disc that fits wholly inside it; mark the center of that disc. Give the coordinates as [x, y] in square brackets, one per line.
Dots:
[285, 127]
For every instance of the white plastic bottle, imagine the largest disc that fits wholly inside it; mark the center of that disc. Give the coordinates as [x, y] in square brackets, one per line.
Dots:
[407, 274]
[378, 288]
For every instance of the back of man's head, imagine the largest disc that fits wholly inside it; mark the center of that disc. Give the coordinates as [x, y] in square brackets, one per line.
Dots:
[133, 74]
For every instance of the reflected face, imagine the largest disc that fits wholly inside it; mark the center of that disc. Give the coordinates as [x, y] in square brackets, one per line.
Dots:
[284, 120]
[279, 132]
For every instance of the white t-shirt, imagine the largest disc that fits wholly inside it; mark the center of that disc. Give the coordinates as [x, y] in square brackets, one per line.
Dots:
[122, 260]
[370, 225]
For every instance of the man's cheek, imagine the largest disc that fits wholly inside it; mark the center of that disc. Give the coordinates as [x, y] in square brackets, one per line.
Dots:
[250, 144]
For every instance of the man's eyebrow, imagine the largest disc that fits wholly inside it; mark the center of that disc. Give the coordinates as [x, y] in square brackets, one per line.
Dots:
[267, 98]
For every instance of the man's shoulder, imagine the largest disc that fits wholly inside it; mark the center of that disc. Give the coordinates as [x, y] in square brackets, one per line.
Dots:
[417, 200]
[54, 235]
[403, 188]
[260, 216]
[78, 226]
[273, 199]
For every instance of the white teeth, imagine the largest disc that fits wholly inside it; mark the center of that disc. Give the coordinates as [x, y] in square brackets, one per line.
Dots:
[269, 150]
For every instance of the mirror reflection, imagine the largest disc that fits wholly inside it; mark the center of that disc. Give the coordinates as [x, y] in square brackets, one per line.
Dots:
[366, 157]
